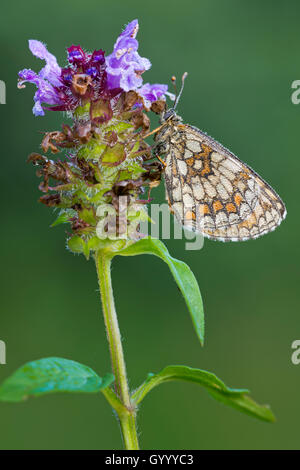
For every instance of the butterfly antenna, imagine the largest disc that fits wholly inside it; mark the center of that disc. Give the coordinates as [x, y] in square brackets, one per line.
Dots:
[173, 78]
[181, 89]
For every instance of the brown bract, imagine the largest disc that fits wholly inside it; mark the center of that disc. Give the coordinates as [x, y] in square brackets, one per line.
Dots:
[140, 119]
[51, 200]
[60, 171]
[158, 106]
[50, 138]
[80, 83]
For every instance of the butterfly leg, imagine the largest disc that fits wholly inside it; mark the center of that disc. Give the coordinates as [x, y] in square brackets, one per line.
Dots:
[161, 161]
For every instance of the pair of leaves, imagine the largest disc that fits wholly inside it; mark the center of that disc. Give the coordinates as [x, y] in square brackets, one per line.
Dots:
[62, 375]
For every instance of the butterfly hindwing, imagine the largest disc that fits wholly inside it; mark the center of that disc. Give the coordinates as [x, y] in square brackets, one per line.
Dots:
[213, 192]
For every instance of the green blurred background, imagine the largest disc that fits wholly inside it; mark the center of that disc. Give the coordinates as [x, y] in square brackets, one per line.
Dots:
[242, 58]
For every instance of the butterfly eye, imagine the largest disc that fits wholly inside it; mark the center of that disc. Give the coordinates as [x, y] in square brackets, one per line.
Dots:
[168, 114]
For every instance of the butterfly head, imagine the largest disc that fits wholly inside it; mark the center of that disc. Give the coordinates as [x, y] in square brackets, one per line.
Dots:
[169, 115]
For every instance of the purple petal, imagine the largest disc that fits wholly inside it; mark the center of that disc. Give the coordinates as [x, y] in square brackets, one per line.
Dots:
[37, 108]
[46, 93]
[144, 63]
[124, 45]
[130, 81]
[38, 49]
[151, 93]
[93, 66]
[113, 81]
[76, 55]
[98, 57]
[124, 65]
[131, 29]
[67, 75]
[28, 75]
[51, 71]
[47, 81]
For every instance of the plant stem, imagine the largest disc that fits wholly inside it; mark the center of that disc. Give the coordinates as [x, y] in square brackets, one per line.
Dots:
[127, 414]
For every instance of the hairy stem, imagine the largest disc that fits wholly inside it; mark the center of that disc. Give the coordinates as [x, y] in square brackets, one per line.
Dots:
[127, 414]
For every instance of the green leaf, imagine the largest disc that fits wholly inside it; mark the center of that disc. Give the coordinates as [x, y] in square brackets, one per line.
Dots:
[81, 111]
[120, 127]
[64, 217]
[87, 215]
[77, 245]
[92, 150]
[236, 398]
[49, 375]
[106, 244]
[113, 156]
[184, 277]
[133, 170]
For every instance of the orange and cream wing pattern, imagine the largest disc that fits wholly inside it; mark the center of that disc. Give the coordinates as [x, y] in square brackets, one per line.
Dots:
[212, 192]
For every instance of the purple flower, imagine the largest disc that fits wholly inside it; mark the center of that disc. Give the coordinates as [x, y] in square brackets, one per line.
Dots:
[46, 81]
[84, 80]
[125, 66]
[151, 93]
[90, 77]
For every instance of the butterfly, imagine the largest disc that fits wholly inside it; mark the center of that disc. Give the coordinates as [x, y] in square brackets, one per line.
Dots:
[209, 189]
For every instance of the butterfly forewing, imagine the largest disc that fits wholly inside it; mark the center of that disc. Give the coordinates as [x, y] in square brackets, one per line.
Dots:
[211, 191]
